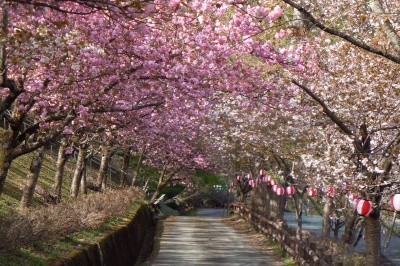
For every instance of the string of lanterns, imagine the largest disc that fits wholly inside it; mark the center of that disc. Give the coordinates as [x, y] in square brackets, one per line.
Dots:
[362, 206]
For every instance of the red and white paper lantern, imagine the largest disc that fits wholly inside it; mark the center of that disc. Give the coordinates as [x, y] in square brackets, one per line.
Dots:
[272, 182]
[239, 178]
[395, 201]
[331, 191]
[280, 191]
[251, 182]
[230, 190]
[232, 184]
[258, 181]
[364, 207]
[265, 179]
[290, 190]
[269, 178]
[262, 172]
[275, 187]
[312, 192]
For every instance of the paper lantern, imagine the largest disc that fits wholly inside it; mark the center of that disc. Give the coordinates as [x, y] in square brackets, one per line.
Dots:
[239, 178]
[248, 176]
[251, 182]
[269, 178]
[272, 182]
[232, 184]
[258, 181]
[312, 192]
[364, 207]
[395, 201]
[275, 187]
[265, 179]
[262, 172]
[290, 190]
[230, 190]
[331, 191]
[280, 191]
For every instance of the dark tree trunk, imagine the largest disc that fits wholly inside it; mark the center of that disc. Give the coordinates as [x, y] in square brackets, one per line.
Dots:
[298, 201]
[32, 178]
[5, 156]
[326, 221]
[80, 165]
[373, 238]
[240, 196]
[58, 178]
[349, 234]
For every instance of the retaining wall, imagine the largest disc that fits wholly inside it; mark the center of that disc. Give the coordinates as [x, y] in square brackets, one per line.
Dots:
[127, 245]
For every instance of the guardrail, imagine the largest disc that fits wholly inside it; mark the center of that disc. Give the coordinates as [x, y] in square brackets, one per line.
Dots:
[302, 252]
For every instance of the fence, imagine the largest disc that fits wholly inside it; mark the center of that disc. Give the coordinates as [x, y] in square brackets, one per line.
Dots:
[302, 252]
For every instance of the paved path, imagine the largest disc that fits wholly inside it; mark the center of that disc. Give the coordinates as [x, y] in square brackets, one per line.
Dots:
[206, 240]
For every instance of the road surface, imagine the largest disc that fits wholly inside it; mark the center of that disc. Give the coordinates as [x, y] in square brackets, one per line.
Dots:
[207, 240]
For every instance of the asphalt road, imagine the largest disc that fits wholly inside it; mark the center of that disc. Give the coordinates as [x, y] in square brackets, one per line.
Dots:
[206, 240]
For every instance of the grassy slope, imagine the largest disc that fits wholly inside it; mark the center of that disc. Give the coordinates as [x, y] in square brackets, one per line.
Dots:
[16, 180]
[19, 170]
[40, 253]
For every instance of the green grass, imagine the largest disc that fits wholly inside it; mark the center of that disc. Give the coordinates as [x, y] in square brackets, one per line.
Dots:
[19, 169]
[15, 181]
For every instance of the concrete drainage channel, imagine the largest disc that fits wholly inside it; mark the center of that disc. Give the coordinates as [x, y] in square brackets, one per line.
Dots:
[129, 245]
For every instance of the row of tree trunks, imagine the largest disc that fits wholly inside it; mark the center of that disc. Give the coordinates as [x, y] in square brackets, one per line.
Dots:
[79, 179]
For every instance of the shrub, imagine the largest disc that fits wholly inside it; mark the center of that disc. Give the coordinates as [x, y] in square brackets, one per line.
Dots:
[23, 227]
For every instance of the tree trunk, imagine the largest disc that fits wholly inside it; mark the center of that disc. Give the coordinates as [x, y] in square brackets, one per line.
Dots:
[326, 221]
[257, 202]
[349, 234]
[298, 201]
[240, 196]
[377, 7]
[3, 42]
[137, 169]
[105, 161]
[5, 156]
[83, 186]
[32, 178]
[162, 181]
[58, 178]
[125, 169]
[373, 238]
[80, 164]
